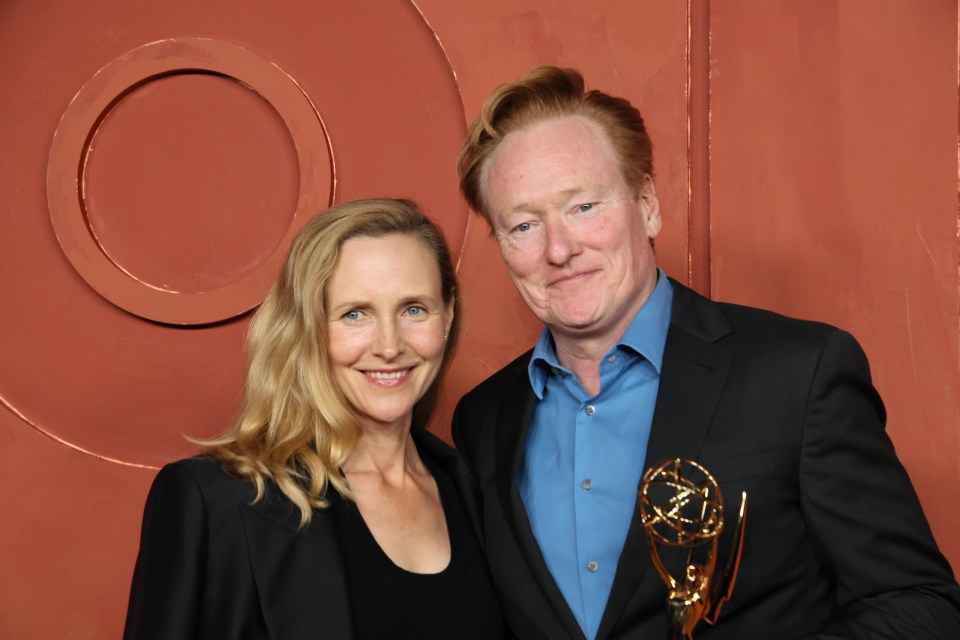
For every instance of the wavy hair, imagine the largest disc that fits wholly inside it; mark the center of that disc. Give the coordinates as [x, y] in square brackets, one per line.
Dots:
[546, 93]
[295, 426]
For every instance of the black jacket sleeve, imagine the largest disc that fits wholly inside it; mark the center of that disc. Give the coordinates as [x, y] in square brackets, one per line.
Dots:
[169, 574]
[863, 513]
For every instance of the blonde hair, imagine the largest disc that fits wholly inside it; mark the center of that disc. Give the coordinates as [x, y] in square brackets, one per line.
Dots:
[295, 426]
[546, 93]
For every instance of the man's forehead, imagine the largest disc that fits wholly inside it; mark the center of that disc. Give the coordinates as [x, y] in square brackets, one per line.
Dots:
[564, 157]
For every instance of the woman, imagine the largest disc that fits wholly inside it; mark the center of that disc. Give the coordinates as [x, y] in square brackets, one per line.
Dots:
[327, 511]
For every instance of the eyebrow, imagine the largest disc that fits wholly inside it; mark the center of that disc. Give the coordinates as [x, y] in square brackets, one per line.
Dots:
[416, 298]
[564, 195]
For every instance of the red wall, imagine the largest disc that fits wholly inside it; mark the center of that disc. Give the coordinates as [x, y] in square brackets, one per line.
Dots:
[806, 158]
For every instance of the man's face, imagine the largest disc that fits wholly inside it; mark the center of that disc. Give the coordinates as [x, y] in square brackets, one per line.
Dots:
[573, 234]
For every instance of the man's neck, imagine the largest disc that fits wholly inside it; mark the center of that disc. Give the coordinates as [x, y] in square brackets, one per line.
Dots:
[582, 352]
[582, 358]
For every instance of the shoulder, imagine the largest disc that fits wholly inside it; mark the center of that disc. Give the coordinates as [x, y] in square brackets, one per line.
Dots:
[200, 469]
[759, 335]
[714, 320]
[736, 323]
[766, 331]
[439, 453]
[769, 325]
[505, 381]
[199, 482]
[430, 445]
[502, 396]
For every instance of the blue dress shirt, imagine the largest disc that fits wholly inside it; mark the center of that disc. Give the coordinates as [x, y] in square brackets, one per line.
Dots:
[583, 457]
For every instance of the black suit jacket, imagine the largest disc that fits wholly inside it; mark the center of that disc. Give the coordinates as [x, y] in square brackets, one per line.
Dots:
[213, 565]
[836, 543]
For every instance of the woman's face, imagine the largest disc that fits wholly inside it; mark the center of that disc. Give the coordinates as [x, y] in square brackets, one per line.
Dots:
[387, 325]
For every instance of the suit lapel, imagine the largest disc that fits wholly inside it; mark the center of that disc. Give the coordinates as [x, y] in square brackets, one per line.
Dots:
[692, 378]
[512, 423]
[299, 575]
[691, 382]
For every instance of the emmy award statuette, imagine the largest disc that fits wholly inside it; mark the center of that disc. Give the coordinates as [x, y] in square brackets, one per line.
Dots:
[681, 506]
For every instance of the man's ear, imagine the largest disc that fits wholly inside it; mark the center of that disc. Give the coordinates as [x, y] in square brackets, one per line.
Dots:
[650, 207]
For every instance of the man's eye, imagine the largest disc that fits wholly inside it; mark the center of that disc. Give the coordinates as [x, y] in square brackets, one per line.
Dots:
[585, 207]
[523, 227]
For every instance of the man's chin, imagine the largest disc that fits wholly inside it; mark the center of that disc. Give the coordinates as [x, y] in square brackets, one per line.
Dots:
[574, 323]
[574, 319]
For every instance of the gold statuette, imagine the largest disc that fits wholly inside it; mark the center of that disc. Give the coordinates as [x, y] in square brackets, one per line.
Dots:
[681, 506]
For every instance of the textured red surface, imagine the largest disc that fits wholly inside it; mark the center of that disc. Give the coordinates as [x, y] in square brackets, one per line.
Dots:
[824, 170]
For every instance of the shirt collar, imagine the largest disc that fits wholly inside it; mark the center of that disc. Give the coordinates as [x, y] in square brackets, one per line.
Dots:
[646, 335]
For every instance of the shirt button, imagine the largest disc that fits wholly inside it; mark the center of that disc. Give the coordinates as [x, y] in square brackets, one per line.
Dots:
[593, 566]
[587, 484]
[590, 410]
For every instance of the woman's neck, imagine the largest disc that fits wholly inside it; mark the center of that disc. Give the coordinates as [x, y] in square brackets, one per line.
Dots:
[388, 453]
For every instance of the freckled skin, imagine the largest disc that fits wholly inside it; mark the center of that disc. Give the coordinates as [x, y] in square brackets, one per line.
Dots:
[574, 235]
[387, 322]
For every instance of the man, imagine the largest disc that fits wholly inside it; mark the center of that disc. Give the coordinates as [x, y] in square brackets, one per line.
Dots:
[633, 368]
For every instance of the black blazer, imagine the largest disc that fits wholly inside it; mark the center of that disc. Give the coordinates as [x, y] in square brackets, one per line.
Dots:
[213, 565]
[784, 409]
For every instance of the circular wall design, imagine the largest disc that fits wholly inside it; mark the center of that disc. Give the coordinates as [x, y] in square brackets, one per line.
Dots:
[67, 179]
[123, 356]
[191, 183]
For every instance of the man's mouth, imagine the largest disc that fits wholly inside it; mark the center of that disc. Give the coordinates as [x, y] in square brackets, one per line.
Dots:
[569, 277]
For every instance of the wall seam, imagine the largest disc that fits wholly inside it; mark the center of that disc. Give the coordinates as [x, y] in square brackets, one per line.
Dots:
[699, 259]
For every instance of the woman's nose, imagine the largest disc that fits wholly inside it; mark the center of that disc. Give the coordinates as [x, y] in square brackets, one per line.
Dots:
[388, 341]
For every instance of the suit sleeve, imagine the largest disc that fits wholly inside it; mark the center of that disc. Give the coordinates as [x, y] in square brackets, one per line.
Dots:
[169, 573]
[866, 520]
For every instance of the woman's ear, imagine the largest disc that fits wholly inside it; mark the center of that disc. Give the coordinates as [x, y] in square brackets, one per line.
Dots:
[448, 313]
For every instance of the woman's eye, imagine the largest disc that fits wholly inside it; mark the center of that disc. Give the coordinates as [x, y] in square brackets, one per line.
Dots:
[353, 314]
[416, 311]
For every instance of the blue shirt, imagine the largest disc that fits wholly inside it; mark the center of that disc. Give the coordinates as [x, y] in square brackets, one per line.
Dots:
[584, 456]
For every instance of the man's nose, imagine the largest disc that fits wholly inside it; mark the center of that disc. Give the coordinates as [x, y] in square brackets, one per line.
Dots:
[562, 242]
